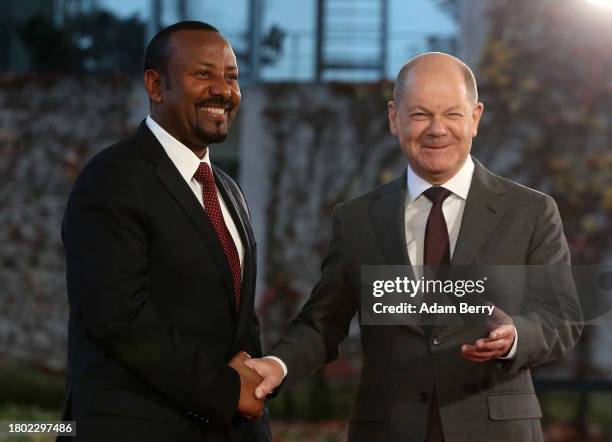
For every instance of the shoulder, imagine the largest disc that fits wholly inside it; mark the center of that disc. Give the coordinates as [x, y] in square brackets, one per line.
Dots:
[112, 170]
[363, 201]
[517, 195]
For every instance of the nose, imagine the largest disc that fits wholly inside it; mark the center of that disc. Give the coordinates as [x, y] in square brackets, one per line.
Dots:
[221, 89]
[436, 127]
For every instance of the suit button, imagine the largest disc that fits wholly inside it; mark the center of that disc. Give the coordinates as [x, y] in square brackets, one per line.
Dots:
[423, 396]
[437, 340]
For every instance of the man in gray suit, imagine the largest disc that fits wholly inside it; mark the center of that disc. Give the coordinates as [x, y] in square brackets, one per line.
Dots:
[443, 382]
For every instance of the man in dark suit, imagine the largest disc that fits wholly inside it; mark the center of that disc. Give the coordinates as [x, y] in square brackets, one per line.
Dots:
[435, 382]
[161, 265]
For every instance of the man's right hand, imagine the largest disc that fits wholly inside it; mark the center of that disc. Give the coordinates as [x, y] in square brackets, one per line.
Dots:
[271, 372]
[248, 405]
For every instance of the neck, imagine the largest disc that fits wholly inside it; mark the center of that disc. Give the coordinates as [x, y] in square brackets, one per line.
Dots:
[196, 148]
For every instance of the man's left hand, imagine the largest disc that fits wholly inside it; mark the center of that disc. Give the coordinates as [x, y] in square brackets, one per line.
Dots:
[497, 344]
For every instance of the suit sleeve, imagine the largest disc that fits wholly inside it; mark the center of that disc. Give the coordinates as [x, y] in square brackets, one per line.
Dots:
[314, 336]
[551, 321]
[256, 350]
[106, 242]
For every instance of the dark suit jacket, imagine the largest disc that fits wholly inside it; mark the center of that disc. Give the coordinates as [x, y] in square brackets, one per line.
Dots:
[152, 320]
[503, 223]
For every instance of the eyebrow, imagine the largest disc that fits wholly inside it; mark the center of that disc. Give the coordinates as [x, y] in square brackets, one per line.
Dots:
[420, 107]
[212, 65]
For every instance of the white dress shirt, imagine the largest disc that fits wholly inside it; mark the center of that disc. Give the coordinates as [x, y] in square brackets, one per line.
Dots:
[418, 206]
[187, 164]
[417, 211]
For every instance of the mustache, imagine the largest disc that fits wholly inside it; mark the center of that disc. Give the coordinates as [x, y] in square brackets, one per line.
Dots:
[219, 102]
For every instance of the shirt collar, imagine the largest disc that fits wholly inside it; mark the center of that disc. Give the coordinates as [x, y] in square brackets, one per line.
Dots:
[183, 158]
[459, 184]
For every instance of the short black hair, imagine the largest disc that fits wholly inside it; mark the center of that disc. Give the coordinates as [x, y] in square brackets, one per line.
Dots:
[158, 53]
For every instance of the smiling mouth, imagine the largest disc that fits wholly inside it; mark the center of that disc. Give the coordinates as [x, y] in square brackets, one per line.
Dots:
[214, 110]
[436, 147]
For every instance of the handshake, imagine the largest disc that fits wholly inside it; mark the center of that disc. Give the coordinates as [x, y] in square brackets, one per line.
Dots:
[258, 377]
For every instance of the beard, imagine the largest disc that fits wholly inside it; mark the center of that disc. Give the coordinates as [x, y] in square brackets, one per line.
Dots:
[209, 137]
[203, 129]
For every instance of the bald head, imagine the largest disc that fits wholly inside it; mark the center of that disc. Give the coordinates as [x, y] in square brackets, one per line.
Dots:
[435, 62]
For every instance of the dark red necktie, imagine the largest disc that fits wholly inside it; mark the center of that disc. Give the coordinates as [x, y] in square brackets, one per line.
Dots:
[212, 208]
[436, 250]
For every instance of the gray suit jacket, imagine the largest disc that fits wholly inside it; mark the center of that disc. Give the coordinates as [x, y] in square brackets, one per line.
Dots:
[503, 224]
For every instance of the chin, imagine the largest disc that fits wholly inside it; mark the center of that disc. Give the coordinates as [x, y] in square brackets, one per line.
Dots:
[439, 167]
[218, 138]
[441, 163]
[209, 137]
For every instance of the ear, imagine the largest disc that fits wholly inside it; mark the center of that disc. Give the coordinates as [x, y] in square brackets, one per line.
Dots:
[392, 117]
[153, 85]
[476, 115]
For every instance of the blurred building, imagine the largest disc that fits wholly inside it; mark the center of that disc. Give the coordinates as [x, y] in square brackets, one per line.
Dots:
[473, 30]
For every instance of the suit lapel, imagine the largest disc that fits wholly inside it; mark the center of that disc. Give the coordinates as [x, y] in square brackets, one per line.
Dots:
[387, 215]
[240, 216]
[236, 210]
[175, 184]
[485, 206]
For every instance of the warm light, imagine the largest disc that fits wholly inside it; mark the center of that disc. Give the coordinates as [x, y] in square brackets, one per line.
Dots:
[601, 2]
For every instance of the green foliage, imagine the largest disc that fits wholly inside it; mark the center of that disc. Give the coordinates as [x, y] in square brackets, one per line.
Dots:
[27, 385]
[17, 413]
[13, 412]
[560, 408]
[312, 400]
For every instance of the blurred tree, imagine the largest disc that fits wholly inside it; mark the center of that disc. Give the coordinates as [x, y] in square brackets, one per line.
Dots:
[324, 143]
[50, 48]
[93, 42]
[546, 81]
[110, 44]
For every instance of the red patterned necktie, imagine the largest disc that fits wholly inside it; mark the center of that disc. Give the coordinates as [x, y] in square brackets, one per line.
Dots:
[212, 208]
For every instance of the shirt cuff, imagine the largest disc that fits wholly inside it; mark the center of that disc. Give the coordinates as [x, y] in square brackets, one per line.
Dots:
[280, 361]
[512, 351]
